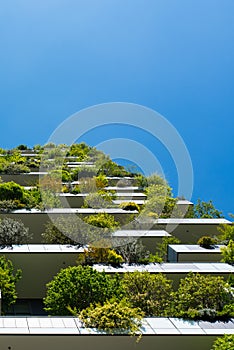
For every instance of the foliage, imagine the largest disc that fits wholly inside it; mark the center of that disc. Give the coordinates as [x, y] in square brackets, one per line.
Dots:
[101, 181]
[80, 151]
[207, 242]
[99, 199]
[49, 200]
[156, 179]
[101, 254]
[227, 233]
[110, 168]
[13, 232]
[160, 202]
[53, 235]
[228, 253]
[68, 229]
[132, 250]
[130, 206]
[102, 220]
[197, 293]
[11, 191]
[162, 248]
[75, 288]
[224, 343]
[206, 210]
[113, 316]
[141, 181]
[87, 185]
[83, 172]
[152, 293]
[8, 279]
[7, 206]
[22, 147]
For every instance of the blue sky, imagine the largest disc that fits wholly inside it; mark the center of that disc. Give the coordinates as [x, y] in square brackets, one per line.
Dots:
[174, 56]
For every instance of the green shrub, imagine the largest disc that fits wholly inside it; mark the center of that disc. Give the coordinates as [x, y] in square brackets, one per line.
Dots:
[13, 232]
[130, 206]
[113, 316]
[8, 279]
[227, 233]
[102, 220]
[162, 248]
[224, 343]
[228, 253]
[197, 293]
[152, 293]
[206, 242]
[101, 254]
[75, 288]
[132, 250]
[11, 191]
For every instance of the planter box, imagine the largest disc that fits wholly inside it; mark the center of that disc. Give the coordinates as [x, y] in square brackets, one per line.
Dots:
[193, 253]
[174, 271]
[27, 333]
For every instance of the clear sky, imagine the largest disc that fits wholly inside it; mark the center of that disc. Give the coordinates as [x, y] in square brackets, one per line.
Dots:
[174, 56]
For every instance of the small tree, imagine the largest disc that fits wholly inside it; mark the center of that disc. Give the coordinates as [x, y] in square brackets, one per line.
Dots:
[8, 279]
[75, 288]
[227, 233]
[13, 232]
[224, 343]
[201, 296]
[206, 210]
[162, 248]
[228, 253]
[151, 293]
[113, 316]
[132, 250]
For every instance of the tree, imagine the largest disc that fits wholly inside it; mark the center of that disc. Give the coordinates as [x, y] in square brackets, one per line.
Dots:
[132, 250]
[13, 232]
[152, 293]
[228, 253]
[112, 316]
[224, 343]
[206, 210]
[8, 279]
[162, 248]
[75, 288]
[201, 296]
[160, 202]
[227, 233]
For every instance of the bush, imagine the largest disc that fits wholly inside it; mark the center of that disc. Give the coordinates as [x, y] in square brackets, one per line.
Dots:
[8, 279]
[227, 233]
[98, 200]
[152, 293]
[197, 293]
[13, 232]
[102, 220]
[162, 248]
[130, 206]
[112, 316]
[224, 343]
[11, 191]
[102, 255]
[75, 288]
[206, 242]
[132, 251]
[228, 253]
